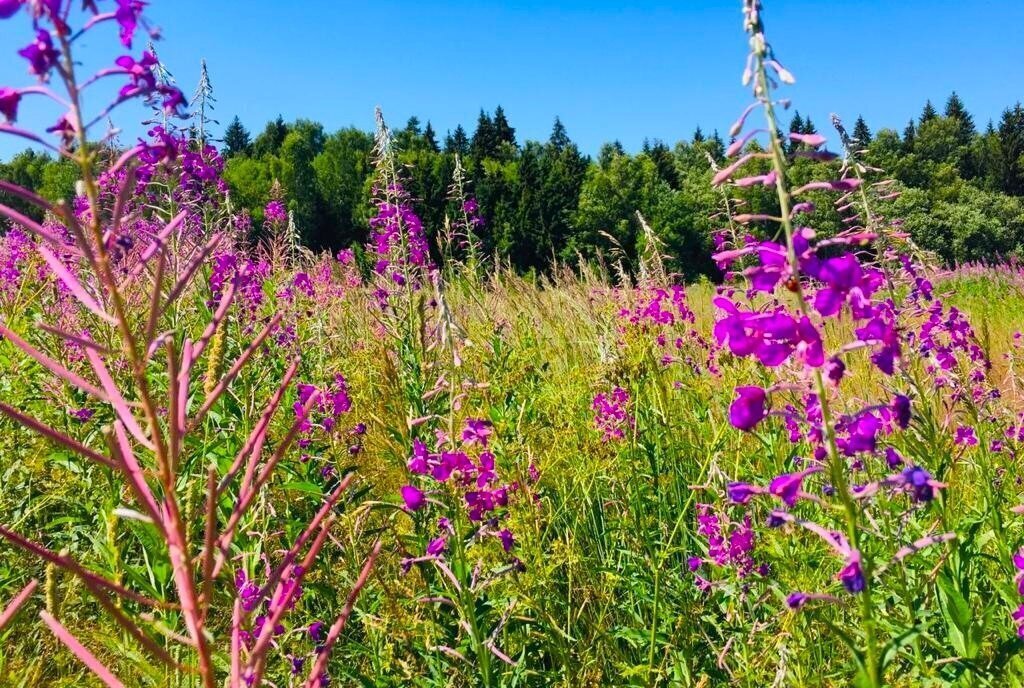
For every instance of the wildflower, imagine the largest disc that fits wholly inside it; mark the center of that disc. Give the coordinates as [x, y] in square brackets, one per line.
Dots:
[920, 483]
[82, 415]
[476, 431]
[901, 410]
[965, 436]
[797, 600]
[835, 369]
[40, 54]
[845, 281]
[852, 575]
[1018, 618]
[740, 493]
[275, 212]
[248, 591]
[143, 80]
[893, 458]
[8, 8]
[413, 497]
[437, 546]
[127, 16]
[9, 100]
[862, 434]
[787, 486]
[507, 541]
[611, 414]
[748, 408]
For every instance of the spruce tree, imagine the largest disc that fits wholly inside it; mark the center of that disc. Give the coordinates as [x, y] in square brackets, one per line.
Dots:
[457, 142]
[861, 132]
[928, 113]
[485, 138]
[698, 135]
[956, 111]
[236, 139]
[502, 129]
[559, 139]
[430, 138]
[1010, 174]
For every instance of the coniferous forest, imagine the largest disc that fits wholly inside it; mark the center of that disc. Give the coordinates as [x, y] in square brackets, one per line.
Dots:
[541, 202]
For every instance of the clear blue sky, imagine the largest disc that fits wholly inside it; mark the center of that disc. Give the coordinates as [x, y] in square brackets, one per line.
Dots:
[621, 71]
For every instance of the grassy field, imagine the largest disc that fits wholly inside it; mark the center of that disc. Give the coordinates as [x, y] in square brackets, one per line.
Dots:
[600, 592]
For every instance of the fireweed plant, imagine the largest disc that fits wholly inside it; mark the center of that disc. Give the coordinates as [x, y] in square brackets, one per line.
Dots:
[456, 496]
[122, 259]
[849, 490]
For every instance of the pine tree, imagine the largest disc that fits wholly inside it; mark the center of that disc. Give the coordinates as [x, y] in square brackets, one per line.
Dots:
[809, 127]
[236, 139]
[502, 129]
[929, 113]
[955, 110]
[457, 142]
[430, 138]
[861, 132]
[559, 139]
[1010, 173]
[485, 138]
[698, 135]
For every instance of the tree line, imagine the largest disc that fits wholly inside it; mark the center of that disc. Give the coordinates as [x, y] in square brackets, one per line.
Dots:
[545, 201]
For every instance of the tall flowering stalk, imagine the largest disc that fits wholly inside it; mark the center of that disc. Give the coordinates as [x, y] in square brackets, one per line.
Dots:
[819, 279]
[123, 267]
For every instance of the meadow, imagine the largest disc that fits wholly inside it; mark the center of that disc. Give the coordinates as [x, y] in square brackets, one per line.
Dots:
[226, 460]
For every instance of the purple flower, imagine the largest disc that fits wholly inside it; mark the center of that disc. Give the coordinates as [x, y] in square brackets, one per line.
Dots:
[507, 541]
[845, 281]
[920, 483]
[436, 546]
[275, 212]
[316, 631]
[748, 408]
[965, 436]
[9, 100]
[8, 8]
[82, 415]
[788, 485]
[476, 431]
[796, 600]
[247, 590]
[40, 55]
[127, 16]
[835, 369]
[1018, 618]
[740, 493]
[143, 80]
[863, 432]
[413, 497]
[901, 410]
[852, 575]
[881, 332]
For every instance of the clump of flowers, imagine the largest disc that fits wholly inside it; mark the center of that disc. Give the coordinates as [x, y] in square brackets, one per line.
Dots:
[612, 415]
